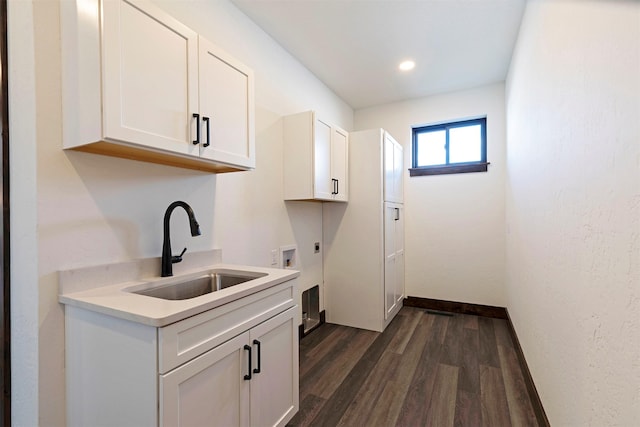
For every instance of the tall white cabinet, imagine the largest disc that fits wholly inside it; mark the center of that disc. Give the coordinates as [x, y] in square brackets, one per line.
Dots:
[316, 159]
[364, 239]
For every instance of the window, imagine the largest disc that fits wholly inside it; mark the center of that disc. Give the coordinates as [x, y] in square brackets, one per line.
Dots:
[455, 147]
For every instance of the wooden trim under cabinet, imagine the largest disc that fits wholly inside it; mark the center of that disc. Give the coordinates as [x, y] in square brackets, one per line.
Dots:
[151, 156]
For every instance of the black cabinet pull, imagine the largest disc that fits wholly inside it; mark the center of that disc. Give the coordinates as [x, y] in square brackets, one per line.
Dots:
[206, 120]
[197, 117]
[257, 370]
[334, 181]
[248, 348]
[337, 186]
[397, 214]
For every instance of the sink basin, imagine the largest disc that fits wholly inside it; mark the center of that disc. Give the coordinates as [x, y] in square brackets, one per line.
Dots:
[200, 285]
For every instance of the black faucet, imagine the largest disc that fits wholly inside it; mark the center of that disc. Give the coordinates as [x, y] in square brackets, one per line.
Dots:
[167, 259]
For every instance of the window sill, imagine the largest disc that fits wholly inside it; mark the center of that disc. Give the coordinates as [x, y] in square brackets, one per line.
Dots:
[448, 169]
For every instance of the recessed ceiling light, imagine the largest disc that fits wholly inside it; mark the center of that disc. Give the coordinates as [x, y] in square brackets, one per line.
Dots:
[406, 65]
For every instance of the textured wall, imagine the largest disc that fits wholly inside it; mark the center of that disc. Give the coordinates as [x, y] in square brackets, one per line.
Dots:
[454, 245]
[573, 207]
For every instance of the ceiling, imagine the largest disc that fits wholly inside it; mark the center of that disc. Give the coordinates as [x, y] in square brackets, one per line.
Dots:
[355, 46]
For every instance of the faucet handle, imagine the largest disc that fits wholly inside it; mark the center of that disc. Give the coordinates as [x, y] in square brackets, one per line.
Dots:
[178, 258]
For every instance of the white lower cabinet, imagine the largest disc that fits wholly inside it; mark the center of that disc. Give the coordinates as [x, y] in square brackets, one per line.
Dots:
[250, 380]
[233, 365]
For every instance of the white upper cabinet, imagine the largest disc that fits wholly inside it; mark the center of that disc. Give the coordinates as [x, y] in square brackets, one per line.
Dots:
[393, 161]
[139, 84]
[315, 159]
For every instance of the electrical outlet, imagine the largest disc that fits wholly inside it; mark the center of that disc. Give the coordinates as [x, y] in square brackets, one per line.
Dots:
[316, 247]
[274, 257]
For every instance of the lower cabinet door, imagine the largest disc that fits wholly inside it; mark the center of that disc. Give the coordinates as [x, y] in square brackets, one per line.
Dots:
[210, 390]
[274, 385]
[399, 247]
[250, 380]
[390, 218]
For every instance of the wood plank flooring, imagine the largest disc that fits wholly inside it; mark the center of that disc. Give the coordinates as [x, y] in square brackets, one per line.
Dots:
[424, 370]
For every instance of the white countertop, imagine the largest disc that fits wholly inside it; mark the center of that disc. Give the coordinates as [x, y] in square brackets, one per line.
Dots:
[115, 300]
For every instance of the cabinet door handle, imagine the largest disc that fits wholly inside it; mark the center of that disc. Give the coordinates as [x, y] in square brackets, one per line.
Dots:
[206, 120]
[257, 370]
[337, 186]
[397, 214]
[248, 348]
[333, 181]
[197, 117]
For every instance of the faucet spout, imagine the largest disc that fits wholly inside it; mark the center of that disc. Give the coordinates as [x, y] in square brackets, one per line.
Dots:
[167, 258]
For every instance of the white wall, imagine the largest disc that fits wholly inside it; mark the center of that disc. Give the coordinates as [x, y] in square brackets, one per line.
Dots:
[573, 207]
[454, 223]
[22, 158]
[94, 210]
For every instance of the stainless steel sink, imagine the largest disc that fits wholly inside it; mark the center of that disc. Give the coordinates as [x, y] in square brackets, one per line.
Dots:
[201, 285]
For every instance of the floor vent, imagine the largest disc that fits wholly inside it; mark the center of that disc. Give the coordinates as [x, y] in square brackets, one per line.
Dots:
[440, 313]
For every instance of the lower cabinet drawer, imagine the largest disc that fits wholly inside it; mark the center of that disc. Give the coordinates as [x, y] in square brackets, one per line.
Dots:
[187, 339]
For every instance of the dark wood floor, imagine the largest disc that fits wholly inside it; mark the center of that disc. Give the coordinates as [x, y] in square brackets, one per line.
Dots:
[424, 370]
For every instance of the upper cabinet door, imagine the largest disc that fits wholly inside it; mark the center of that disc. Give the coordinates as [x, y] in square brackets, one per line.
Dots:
[226, 107]
[339, 162]
[398, 173]
[393, 162]
[150, 77]
[323, 185]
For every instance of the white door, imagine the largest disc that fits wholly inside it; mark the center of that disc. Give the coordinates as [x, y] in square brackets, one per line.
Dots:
[393, 160]
[226, 107]
[398, 173]
[399, 248]
[150, 76]
[388, 169]
[274, 384]
[390, 215]
[210, 390]
[339, 163]
[323, 185]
